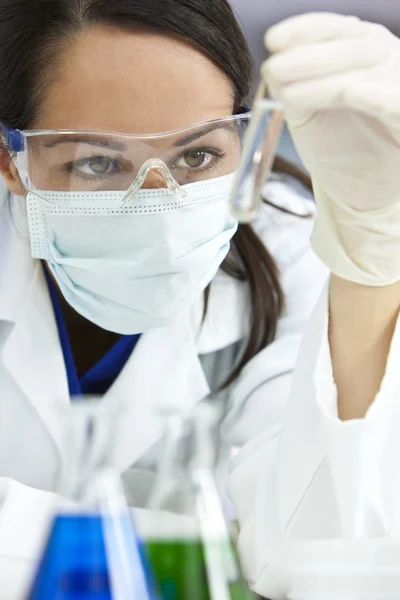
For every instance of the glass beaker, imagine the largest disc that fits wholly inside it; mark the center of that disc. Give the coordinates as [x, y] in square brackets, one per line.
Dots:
[92, 551]
[191, 549]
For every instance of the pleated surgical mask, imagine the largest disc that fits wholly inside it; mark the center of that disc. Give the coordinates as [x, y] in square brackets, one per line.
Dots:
[131, 266]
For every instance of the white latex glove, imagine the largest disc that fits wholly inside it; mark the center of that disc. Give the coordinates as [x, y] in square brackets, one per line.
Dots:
[339, 81]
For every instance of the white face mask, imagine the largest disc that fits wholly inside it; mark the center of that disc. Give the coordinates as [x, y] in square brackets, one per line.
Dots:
[134, 267]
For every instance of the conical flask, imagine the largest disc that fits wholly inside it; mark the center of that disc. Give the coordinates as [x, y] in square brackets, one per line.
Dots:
[192, 550]
[92, 551]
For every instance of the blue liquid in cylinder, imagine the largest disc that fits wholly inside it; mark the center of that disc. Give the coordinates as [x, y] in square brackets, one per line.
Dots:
[74, 565]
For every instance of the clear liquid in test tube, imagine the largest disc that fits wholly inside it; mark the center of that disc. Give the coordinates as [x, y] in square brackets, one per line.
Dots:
[259, 151]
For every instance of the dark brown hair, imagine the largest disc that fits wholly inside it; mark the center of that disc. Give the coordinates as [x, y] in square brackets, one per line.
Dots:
[31, 32]
[249, 260]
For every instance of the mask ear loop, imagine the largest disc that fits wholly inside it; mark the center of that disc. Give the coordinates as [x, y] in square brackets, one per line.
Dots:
[154, 163]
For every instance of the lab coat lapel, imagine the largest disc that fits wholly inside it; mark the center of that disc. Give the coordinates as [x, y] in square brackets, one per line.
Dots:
[31, 352]
[33, 356]
[163, 371]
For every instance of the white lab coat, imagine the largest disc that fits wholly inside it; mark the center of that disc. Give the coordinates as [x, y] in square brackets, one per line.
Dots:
[173, 364]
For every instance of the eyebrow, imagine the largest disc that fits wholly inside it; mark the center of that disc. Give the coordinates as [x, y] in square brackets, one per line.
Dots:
[75, 139]
[198, 134]
[114, 145]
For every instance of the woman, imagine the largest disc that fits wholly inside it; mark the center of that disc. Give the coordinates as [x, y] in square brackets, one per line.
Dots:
[71, 321]
[141, 68]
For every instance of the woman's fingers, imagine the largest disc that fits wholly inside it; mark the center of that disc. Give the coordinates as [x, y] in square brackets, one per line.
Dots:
[350, 90]
[325, 59]
[312, 28]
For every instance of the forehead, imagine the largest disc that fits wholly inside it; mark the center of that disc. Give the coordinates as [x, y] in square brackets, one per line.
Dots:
[137, 82]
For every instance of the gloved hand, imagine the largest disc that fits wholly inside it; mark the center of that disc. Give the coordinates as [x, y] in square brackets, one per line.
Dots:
[339, 81]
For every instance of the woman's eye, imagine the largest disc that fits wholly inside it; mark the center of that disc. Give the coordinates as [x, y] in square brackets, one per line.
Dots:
[98, 165]
[194, 159]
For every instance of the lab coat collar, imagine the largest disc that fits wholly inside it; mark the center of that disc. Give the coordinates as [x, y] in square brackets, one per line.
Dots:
[228, 315]
[163, 369]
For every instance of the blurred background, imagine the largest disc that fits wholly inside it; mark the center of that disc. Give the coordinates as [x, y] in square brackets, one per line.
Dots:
[257, 15]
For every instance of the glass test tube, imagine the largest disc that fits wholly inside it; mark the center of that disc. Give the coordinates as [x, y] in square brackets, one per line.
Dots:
[259, 151]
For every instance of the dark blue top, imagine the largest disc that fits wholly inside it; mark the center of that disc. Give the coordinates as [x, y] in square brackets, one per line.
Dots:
[102, 375]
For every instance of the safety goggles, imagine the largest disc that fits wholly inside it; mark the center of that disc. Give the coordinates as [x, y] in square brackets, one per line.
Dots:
[96, 161]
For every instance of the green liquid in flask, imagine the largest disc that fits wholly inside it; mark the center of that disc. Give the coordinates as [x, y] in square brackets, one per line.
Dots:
[191, 548]
[181, 571]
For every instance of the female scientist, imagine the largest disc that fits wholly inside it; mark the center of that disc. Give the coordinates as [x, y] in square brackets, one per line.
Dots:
[122, 273]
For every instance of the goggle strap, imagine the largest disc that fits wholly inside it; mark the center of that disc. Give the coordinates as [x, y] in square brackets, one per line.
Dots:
[13, 137]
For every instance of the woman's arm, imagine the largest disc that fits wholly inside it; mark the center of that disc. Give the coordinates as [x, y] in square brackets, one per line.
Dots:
[328, 477]
[338, 80]
[361, 326]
